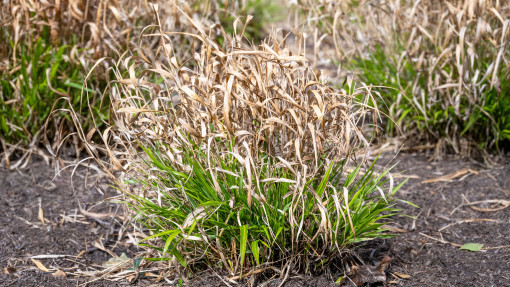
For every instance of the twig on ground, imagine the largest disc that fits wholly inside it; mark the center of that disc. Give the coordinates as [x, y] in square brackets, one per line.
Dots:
[459, 245]
[449, 177]
[247, 274]
[468, 221]
[50, 256]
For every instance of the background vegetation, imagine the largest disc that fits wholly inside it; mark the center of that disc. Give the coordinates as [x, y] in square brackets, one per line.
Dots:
[447, 63]
[49, 47]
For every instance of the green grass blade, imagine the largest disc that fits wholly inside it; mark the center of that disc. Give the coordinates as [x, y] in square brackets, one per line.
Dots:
[243, 240]
[255, 251]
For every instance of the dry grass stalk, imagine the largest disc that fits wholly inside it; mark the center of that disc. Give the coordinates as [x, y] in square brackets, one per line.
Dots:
[264, 99]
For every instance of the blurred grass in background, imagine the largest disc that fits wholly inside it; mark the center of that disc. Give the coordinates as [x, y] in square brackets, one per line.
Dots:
[48, 47]
[448, 61]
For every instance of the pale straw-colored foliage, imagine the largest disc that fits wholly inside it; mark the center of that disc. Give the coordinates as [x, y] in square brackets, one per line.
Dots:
[265, 98]
[449, 58]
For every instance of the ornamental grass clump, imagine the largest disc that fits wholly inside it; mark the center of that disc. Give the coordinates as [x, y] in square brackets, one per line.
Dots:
[47, 47]
[452, 61]
[238, 156]
[219, 208]
[448, 62]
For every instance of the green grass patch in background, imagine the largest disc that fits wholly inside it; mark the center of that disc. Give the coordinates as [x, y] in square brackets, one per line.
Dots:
[42, 81]
[481, 116]
[41, 75]
[446, 64]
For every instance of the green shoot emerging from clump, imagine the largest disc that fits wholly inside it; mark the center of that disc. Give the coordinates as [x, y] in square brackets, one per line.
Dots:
[216, 206]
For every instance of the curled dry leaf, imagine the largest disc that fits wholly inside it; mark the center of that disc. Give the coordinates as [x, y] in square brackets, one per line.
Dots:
[40, 212]
[59, 273]
[501, 202]
[10, 270]
[40, 265]
[394, 229]
[360, 275]
[402, 275]
[451, 176]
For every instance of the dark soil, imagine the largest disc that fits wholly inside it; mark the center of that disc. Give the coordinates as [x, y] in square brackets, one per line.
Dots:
[443, 205]
[65, 232]
[421, 252]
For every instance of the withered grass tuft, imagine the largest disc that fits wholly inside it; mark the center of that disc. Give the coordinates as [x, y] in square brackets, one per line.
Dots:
[47, 48]
[236, 156]
[449, 61]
